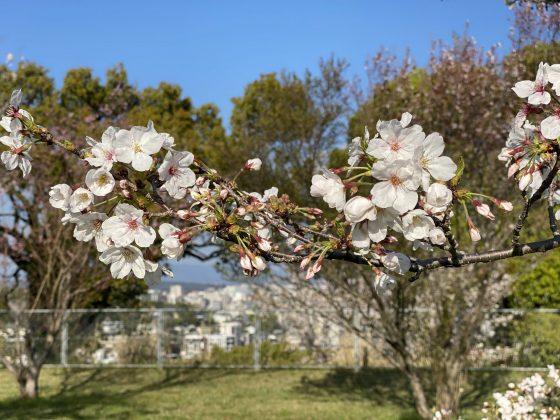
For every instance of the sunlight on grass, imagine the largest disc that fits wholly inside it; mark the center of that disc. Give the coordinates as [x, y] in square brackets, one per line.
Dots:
[231, 394]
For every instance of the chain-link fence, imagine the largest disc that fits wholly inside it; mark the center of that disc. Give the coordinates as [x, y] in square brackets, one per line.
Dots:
[280, 339]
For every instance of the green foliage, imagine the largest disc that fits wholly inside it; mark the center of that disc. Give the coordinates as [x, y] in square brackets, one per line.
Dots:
[338, 158]
[537, 336]
[271, 354]
[81, 88]
[291, 123]
[540, 287]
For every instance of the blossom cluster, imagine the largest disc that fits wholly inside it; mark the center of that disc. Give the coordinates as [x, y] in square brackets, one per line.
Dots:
[399, 181]
[531, 149]
[533, 398]
[122, 204]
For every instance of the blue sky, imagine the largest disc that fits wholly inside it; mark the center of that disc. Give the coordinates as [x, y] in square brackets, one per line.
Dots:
[214, 48]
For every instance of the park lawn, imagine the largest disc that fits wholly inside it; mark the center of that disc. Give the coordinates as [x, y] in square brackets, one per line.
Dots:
[225, 394]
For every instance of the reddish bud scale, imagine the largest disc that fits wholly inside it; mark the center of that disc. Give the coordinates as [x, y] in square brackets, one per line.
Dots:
[184, 237]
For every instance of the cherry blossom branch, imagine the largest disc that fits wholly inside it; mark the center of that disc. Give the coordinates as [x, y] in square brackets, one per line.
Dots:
[552, 222]
[413, 190]
[453, 246]
[529, 201]
[489, 256]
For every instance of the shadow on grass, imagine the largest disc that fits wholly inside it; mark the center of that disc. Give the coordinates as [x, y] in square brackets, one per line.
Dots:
[106, 390]
[379, 385]
[385, 385]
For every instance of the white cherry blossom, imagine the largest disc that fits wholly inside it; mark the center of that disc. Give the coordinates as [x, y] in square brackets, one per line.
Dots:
[100, 181]
[416, 224]
[396, 262]
[396, 142]
[172, 246]
[59, 196]
[359, 208]
[330, 187]
[553, 73]
[168, 143]
[437, 236]
[123, 260]
[550, 126]
[17, 155]
[398, 188]
[355, 151]
[430, 160]
[176, 173]
[375, 230]
[89, 226]
[135, 146]
[12, 123]
[264, 198]
[253, 165]
[127, 226]
[80, 199]
[438, 198]
[103, 153]
[534, 91]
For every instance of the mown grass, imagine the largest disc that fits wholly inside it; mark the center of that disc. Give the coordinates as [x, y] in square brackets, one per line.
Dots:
[226, 394]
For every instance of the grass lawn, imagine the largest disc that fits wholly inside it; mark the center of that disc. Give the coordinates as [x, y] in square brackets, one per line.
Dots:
[227, 394]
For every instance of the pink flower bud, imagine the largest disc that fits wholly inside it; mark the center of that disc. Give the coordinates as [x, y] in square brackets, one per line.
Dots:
[126, 194]
[123, 184]
[183, 214]
[299, 248]
[314, 269]
[263, 244]
[200, 181]
[315, 211]
[483, 209]
[245, 261]
[258, 263]
[241, 211]
[390, 240]
[514, 167]
[504, 205]
[473, 231]
[305, 262]
[253, 165]
[524, 181]
[223, 194]
[185, 237]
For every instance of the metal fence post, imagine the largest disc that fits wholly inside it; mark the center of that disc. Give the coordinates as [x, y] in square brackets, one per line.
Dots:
[159, 332]
[64, 340]
[356, 351]
[257, 344]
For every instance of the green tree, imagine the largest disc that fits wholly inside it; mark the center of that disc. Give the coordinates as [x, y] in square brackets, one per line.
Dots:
[290, 122]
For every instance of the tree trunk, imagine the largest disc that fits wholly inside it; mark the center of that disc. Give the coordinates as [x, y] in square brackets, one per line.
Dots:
[449, 381]
[419, 395]
[28, 380]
